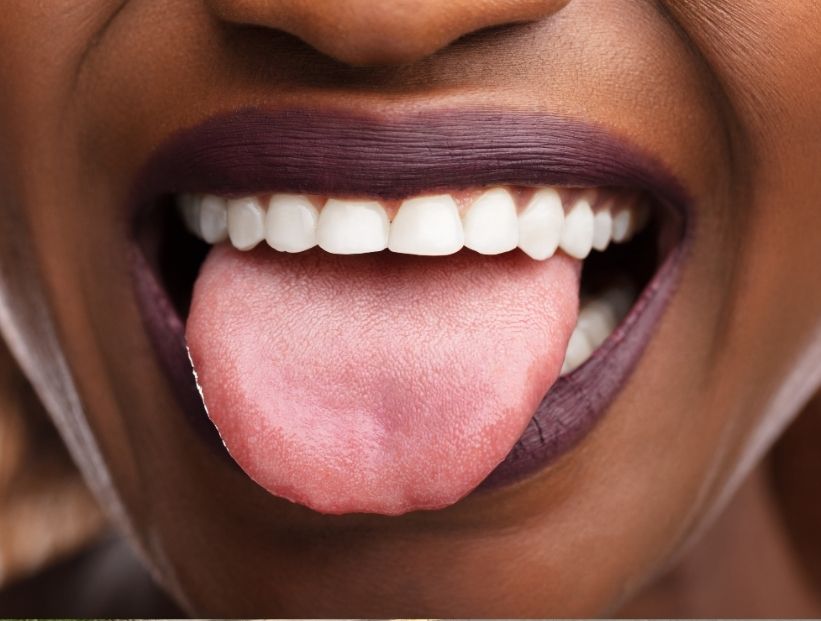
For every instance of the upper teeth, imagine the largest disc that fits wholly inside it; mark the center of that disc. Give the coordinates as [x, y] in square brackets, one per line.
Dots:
[427, 225]
[491, 223]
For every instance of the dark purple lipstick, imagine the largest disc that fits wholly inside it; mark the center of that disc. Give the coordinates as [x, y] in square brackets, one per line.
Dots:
[339, 154]
[342, 154]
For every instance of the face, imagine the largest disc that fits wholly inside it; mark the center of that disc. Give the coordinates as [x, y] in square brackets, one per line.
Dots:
[703, 115]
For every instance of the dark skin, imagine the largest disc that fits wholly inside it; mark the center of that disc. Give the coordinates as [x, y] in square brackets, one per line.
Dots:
[728, 95]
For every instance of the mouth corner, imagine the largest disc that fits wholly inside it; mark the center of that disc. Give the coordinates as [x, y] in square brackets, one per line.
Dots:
[579, 399]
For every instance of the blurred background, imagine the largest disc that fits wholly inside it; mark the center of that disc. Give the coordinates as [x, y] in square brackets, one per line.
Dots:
[53, 537]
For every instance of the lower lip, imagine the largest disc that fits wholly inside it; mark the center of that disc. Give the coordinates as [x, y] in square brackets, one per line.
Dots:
[578, 400]
[566, 414]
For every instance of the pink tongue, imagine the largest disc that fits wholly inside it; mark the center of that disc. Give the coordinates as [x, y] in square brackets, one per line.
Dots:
[376, 383]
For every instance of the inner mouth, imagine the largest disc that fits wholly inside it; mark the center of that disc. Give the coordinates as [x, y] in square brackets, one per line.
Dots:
[386, 334]
[615, 232]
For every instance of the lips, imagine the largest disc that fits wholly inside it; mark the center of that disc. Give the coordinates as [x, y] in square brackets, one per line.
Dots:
[300, 152]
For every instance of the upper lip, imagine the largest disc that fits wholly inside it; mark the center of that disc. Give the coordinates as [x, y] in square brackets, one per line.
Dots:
[333, 152]
[341, 153]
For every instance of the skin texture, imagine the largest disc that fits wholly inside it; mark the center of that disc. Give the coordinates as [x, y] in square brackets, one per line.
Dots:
[728, 95]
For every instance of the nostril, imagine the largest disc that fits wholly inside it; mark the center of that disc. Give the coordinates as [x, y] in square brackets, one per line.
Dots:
[364, 33]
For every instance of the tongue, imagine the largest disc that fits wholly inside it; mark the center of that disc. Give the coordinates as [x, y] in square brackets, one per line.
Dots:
[376, 383]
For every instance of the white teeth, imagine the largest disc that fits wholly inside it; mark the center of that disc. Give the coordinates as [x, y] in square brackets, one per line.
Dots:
[491, 225]
[602, 228]
[577, 234]
[432, 226]
[579, 349]
[427, 225]
[352, 227]
[622, 225]
[597, 320]
[290, 225]
[540, 225]
[213, 219]
[629, 220]
[423, 225]
[246, 223]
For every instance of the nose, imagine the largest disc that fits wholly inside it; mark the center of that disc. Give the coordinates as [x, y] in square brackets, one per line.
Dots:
[378, 32]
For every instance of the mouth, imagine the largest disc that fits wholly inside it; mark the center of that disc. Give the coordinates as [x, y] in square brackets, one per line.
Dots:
[385, 315]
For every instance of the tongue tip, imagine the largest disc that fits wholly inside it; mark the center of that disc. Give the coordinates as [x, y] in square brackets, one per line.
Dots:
[386, 497]
[355, 505]
[409, 406]
[335, 470]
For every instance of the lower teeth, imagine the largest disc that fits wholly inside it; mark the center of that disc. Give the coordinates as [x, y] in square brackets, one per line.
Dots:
[598, 318]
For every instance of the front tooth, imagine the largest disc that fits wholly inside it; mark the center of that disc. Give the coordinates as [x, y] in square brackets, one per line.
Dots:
[290, 224]
[579, 349]
[428, 225]
[577, 234]
[602, 228]
[491, 225]
[352, 227]
[540, 224]
[189, 206]
[246, 222]
[213, 219]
